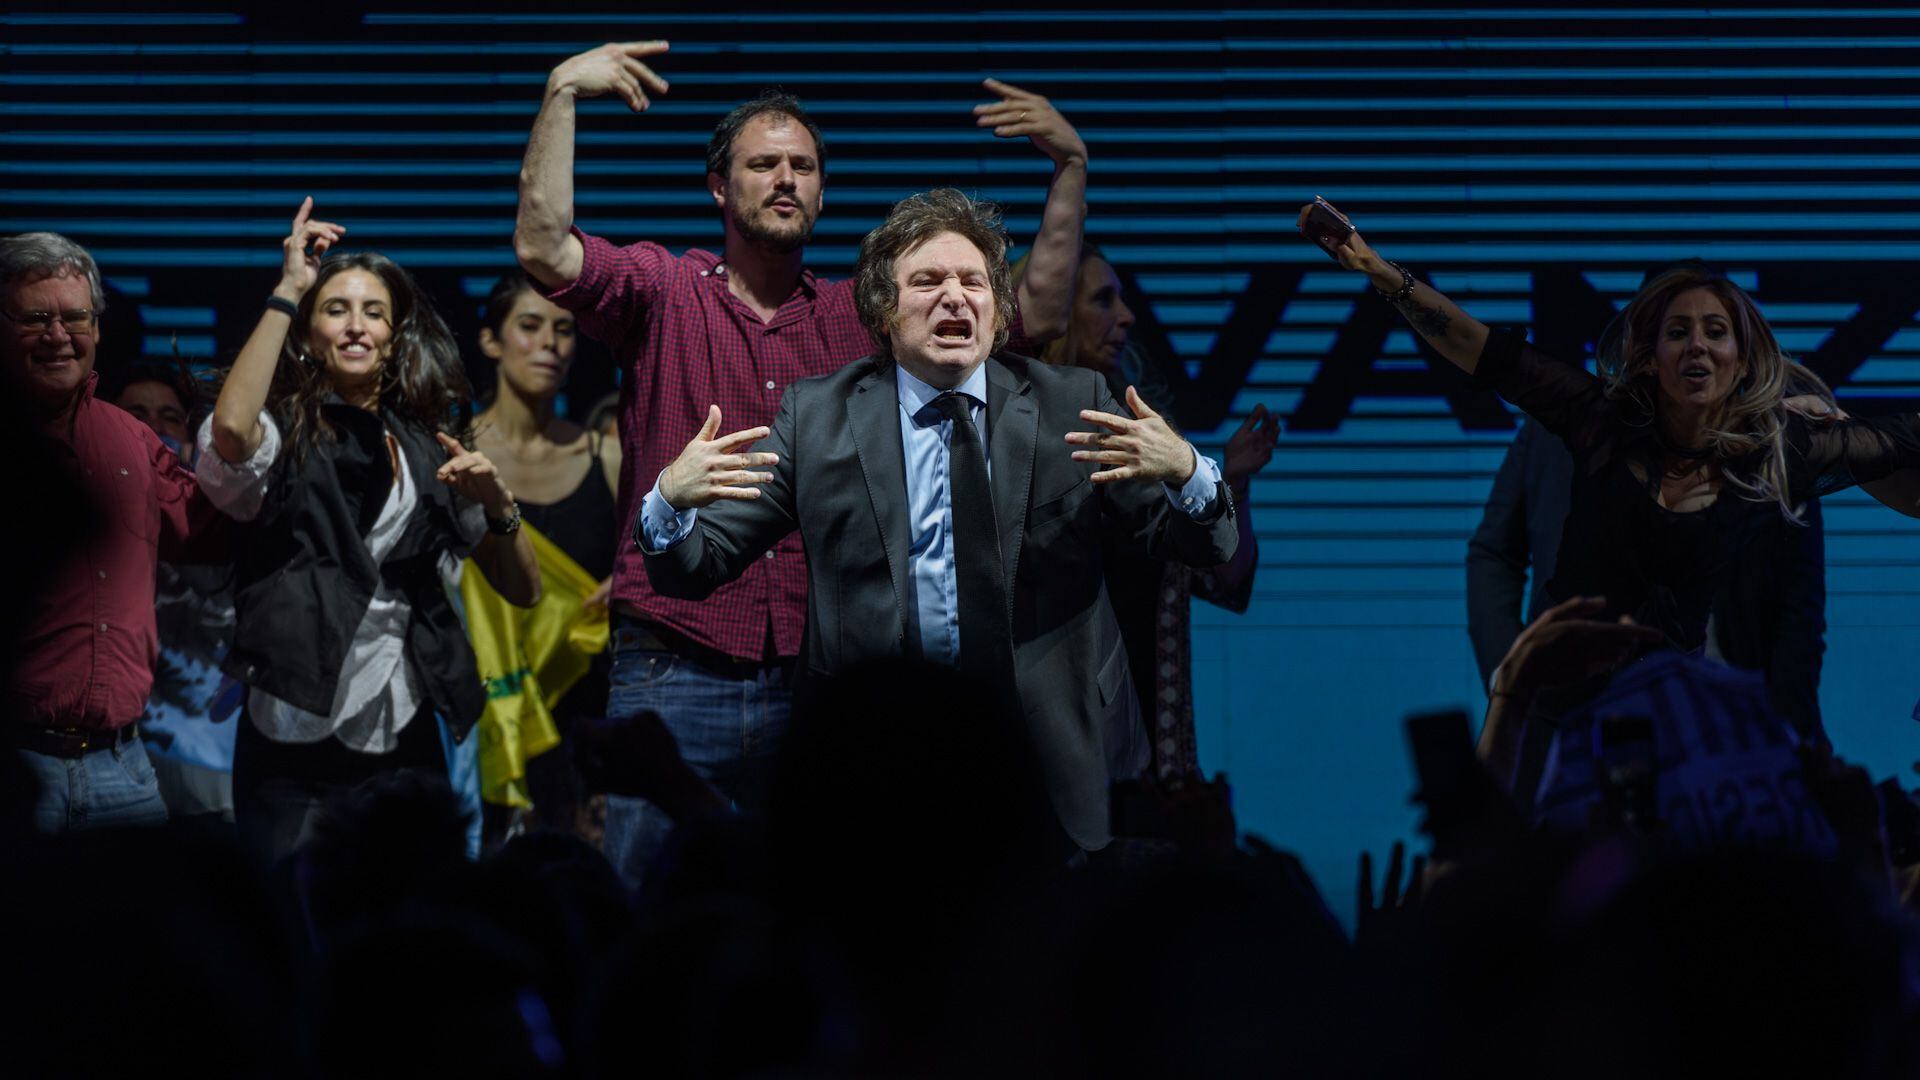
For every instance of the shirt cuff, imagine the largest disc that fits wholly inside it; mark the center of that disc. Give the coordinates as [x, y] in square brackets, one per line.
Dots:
[237, 490]
[1201, 490]
[661, 526]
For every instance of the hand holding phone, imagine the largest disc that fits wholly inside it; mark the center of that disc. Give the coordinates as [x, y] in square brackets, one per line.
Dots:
[1325, 226]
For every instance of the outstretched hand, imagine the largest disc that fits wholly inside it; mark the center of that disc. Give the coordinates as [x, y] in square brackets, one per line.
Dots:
[1021, 114]
[715, 467]
[1141, 447]
[302, 250]
[613, 68]
[473, 475]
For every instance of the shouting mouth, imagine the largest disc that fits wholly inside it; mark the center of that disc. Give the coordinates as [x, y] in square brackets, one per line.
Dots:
[953, 332]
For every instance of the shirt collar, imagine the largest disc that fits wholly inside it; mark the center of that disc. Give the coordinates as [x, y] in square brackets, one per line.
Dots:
[915, 394]
[809, 284]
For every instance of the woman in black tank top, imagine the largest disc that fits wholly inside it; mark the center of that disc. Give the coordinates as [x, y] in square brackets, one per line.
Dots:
[564, 476]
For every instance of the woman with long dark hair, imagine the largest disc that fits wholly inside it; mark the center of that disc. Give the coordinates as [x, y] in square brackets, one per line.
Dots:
[334, 442]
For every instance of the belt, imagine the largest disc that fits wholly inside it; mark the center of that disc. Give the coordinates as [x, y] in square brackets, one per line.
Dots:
[71, 742]
[636, 633]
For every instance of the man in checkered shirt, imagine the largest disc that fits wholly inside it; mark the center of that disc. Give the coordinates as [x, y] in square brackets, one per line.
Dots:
[731, 330]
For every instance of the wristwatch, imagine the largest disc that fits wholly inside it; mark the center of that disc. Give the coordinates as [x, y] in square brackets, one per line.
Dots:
[507, 527]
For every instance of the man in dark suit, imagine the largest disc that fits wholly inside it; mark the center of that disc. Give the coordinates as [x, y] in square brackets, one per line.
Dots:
[952, 500]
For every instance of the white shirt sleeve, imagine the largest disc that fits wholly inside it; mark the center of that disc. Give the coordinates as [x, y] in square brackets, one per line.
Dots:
[237, 490]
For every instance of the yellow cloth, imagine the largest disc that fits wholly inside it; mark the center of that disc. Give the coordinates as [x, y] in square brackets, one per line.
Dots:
[528, 658]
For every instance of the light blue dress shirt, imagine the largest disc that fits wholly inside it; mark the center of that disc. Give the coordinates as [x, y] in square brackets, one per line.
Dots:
[931, 572]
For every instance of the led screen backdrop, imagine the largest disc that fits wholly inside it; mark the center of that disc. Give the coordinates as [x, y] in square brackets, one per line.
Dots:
[1534, 162]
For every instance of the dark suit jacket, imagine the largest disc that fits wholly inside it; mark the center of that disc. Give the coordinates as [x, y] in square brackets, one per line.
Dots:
[842, 482]
[1769, 614]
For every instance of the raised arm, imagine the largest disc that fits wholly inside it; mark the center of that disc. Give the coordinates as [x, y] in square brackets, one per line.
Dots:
[1453, 333]
[543, 240]
[236, 413]
[1046, 290]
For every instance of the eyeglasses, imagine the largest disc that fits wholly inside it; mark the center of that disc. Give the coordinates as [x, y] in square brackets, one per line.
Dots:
[78, 322]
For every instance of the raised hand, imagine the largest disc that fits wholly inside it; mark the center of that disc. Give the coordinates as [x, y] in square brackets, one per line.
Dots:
[1020, 114]
[1566, 644]
[1146, 448]
[470, 473]
[716, 467]
[1385, 922]
[613, 68]
[1251, 447]
[302, 250]
[1357, 254]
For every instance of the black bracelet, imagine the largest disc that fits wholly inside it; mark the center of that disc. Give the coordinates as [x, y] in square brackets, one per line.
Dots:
[1406, 285]
[283, 305]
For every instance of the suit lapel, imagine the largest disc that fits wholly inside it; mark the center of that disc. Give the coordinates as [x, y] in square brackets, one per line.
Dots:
[873, 419]
[1013, 424]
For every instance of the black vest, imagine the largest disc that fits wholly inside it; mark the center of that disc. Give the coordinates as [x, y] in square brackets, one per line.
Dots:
[303, 577]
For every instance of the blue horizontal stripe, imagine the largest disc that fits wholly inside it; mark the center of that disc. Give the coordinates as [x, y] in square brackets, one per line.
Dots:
[180, 317]
[1199, 16]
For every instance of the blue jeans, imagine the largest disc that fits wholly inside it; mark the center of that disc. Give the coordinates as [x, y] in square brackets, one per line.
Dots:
[728, 729]
[100, 789]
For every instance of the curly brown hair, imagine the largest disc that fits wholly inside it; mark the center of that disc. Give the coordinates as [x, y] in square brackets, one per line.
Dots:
[912, 222]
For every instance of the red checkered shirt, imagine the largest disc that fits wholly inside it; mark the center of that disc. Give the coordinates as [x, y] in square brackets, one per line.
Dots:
[687, 342]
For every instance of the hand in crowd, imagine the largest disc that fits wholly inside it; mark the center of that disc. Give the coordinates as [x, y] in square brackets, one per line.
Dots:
[1251, 447]
[302, 250]
[1385, 921]
[601, 597]
[613, 68]
[1019, 113]
[716, 467]
[1200, 816]
[1565, 645]
[470, 473]
[1146, 448]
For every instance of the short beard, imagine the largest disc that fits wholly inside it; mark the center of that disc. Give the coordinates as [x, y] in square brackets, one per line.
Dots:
[755, 229]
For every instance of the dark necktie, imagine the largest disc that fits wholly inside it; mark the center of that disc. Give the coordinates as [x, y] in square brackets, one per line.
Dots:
[986, 639]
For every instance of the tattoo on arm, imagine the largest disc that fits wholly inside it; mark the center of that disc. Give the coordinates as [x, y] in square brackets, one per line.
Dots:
[1432, 322]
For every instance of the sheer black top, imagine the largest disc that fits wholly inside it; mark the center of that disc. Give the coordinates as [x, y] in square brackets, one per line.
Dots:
[1660, 566]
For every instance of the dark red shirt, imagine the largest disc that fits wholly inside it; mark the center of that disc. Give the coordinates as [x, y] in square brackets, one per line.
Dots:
[86, 654]
[686, 342]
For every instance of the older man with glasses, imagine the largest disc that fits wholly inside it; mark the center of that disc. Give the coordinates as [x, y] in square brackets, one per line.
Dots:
[85, 639]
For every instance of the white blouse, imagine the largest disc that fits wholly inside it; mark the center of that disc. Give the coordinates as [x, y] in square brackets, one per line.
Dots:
[378, 691]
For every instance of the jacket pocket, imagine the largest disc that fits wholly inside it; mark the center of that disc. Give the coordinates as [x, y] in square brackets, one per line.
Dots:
[1058, 506]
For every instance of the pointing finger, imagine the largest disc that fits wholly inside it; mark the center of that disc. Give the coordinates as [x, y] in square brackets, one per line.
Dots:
[450, 444]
